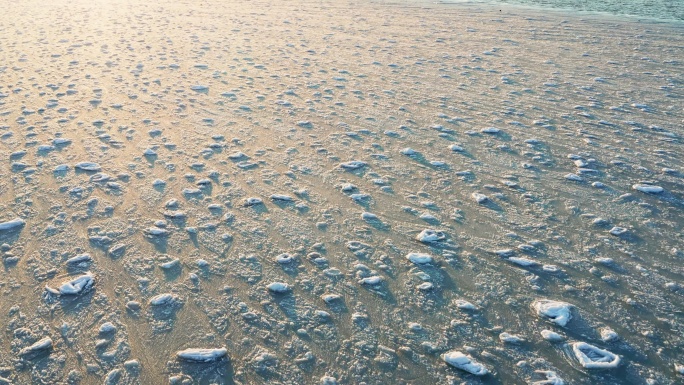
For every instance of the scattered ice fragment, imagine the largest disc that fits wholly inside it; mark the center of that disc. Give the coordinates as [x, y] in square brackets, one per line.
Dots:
[419, 258]
[522, 261]
[551, 336]
[456, 148]
[156, 232]
[61, 141]
[79, 260]
[202, 355]
[88, 166]
[408, 151]
[42, 346]
[12, 225]
[238, 155]
[504, 253]
[253, 201]
[464, 362]
[328, 380]
[163, 299]
[76, 286]
[282, 197]
[464, 305]
[353, 165]
[480, 198]
[284, 258]
[551, 378]
[278, 287]
[650, 189]
[199, 87]
[425, 286]
[172, 264]
[491, 130]
[591, 357]
[510, 338]
[608, 334]
[554, 311]
[330, 298]
[372, 280]
[574, 177]
[617, 231]
[107, 328]
[369, 216]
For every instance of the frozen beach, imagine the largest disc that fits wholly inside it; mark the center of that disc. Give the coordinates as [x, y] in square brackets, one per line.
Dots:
[339, 192]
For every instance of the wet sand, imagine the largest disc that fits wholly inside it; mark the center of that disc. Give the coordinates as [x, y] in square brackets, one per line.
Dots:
[338, 192]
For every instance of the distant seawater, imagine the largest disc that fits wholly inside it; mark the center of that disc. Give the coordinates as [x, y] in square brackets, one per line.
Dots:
[660, 9]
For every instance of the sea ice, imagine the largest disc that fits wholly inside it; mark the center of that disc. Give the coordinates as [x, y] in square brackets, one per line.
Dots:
[554, 311]
[353, 165]
[419, 258]
[430, 236]
[12, 225]
[647, 188]
[278, 287]
[464, 362]
[88, 166]
[202, 355]
[591, 357]
[37, 348]
[76, 286]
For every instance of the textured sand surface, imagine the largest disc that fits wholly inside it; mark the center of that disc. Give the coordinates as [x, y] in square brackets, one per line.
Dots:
[326, 192]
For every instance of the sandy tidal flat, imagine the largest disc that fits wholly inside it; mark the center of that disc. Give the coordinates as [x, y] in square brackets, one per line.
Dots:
[339, 192]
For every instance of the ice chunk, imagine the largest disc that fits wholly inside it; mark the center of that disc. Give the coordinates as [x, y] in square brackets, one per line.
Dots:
[551, 336]
[284, 258]
[282, 198]
[591, 357]
[574, 177]
[37, 348]
[162, 299]
[525, 262]
[510, 338]
[608, 334]
[464, 362]
[353, 165]
[372, 280]
[419, 258]
[480, 198]
[253, 201]
[551, 378]
[646, 188]
[490, 130]
[12, 225]
[202, 355]
[555, 311]
[88, 166]
[617, 231]
[429, 236]
[464, 305]
[79, 260]
[76, 286]
[278, 287]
